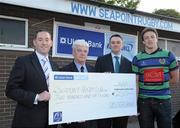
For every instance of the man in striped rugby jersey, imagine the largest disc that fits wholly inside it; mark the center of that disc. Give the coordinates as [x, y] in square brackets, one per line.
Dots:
[156, 70]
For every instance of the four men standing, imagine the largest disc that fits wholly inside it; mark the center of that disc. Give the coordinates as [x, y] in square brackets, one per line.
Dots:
[156, 69]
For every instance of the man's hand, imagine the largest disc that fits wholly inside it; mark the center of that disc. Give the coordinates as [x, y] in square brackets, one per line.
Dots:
[44, 96]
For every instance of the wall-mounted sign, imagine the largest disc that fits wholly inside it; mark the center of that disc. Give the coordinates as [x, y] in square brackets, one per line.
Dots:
[66, 34]
[98, 12]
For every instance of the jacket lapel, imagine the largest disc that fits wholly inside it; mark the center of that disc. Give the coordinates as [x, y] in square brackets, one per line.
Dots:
[122, 63]
[74, 68]
[37, 65]
[89, 69]
[110, 63]
[53, 65]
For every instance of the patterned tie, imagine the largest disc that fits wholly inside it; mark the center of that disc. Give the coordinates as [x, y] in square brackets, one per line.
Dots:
[46, 69]
[117, 65]
[82, 69]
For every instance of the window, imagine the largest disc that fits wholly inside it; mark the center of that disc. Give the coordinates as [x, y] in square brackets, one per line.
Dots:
[13, 32]
[174, 46]
[161, 43]
[171, 45]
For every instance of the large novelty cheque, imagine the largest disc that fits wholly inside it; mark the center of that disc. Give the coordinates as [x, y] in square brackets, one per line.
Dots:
[88, 96]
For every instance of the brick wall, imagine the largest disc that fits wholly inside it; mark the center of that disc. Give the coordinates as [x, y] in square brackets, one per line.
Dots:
[5, 105]
[175, 89]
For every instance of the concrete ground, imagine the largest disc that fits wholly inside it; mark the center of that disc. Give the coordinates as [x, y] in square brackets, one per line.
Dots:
[133, 122]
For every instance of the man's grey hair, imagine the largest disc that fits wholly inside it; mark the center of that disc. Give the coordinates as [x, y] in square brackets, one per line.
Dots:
[80, 42]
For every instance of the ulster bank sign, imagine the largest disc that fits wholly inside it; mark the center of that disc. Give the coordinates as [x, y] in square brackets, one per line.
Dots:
[66, 34]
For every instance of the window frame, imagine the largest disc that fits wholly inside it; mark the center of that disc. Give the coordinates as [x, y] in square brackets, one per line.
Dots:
[16, 46]
[166, 44]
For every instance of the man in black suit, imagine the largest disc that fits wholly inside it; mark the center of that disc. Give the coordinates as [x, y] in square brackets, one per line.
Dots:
[28, 85]
[80, 51]
[114, 62]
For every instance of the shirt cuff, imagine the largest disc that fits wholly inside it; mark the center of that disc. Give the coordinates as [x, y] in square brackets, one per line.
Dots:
[36, 99]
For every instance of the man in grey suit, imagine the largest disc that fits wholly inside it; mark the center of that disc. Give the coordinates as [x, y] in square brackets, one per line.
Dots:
[28, 85]
[114, 62]
[80, 51]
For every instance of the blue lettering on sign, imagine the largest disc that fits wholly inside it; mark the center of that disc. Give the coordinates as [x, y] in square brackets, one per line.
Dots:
[69, 41]
[127, 47]
[119, 16]
[101, 12]
[107, 14]
[134, 19]
[57, 116]
[63, 77]
[83, 9]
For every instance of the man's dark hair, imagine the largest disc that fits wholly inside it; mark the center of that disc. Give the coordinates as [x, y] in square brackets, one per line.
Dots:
[115, 35]
[35, 36]
[147, 30]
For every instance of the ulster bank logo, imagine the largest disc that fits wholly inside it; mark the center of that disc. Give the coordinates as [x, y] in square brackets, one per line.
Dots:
[128, 47]
[57, 116]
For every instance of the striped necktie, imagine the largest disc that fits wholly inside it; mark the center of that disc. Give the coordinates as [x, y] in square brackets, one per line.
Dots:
[46, 69]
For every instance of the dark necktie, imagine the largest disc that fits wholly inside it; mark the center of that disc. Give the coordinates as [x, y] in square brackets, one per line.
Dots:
[117, 65]
[82, 69]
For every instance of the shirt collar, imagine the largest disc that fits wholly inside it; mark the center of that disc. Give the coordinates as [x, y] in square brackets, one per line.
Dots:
[119, 55]
[158, 49]
[79, 65]
[40, 56]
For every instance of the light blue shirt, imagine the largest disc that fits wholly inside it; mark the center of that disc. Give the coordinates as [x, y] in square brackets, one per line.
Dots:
[78, 66]
[114, 59]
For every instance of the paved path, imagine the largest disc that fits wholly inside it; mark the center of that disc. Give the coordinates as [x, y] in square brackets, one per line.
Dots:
[133, 122]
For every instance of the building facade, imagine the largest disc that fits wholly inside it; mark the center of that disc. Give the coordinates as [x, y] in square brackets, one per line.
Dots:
[21, 19]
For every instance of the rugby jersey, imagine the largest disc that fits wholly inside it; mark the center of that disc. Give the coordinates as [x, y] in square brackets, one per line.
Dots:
[153, 70]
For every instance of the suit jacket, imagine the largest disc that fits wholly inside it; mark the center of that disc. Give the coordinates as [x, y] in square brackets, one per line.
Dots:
[72, 68]
[105, 64]
[88, 124]
[26, 80]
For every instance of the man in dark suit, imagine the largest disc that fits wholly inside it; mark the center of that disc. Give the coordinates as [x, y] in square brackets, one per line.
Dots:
[28, 85]
[114, 62]
[80, 51]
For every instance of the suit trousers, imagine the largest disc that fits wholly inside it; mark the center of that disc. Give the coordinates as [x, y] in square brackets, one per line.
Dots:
[118, 122]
